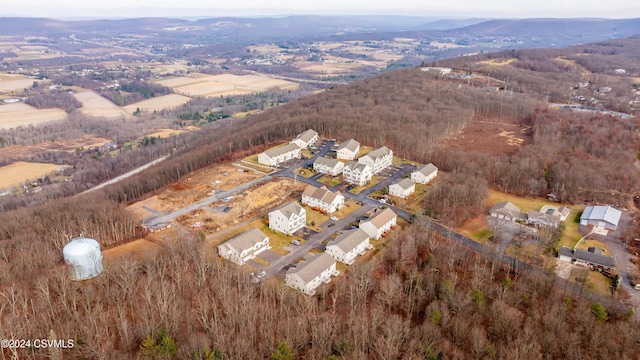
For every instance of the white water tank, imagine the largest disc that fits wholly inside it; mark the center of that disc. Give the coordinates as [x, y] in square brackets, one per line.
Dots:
[83, 257]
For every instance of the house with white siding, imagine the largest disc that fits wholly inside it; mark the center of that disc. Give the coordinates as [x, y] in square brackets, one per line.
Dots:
[306, 139]
[507, 211]
[327, 166]
[357, 173]
[424, 174]
[348, 150]
[379, 224]
[402, 188]
[348, 246]
[288, 219]
[275, 156]
[310, 273]
[602, 218]
[244, 247]
[592, 257]
[378, 159]
[323, 199]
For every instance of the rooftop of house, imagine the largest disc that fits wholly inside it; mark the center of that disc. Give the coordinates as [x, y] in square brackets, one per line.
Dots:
[290, 209]
[312, 266]
[350, 144]
[281, 150]
[596, 259]
[356, 166]
[379, 153]
[307, 135]
[349, 240]
[405, 183]
[322, 193]
[246, 240]
[327, 162]
[382, 218]
[427, 169]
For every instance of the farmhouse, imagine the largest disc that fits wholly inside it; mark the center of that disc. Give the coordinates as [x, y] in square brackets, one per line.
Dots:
[507, 211]
[348, 150]
[592, 257]
[326, 166]
[323, 199]
[602, 218]
[306, 139]
[348, 246]
[379, 224]
[424, 174]
[402, 188]
[357, 173]
[537, 218]
[288, 219]
[244, 247]
[378, 159]
[275, 156]
[311, 273]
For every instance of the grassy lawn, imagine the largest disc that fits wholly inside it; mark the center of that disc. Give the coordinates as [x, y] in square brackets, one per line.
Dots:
[277, 240]
[316, 218]
[305, 172]
[525, 204]
[528, 253]
[476, 229]
[306, 153]
[341, 267]
[595, 280]
[570, 235]
[586, 244]
[252, 159]
[397, 161]
[364, 150]
[330, 180]
[349, 207]
[358, 189]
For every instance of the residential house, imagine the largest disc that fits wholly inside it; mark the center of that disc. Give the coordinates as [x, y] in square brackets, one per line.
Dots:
[311, 273]
[357, 173]
[348, 150]
[424, 174]
[326, 166]
[379, 224]
[348, 246]
[602, 218]
[288, 219]
[592, 257]
[322, 199]
[378, 159]
[275, 156]
[543, 219]
[306, 139]
[402, 188]
[244, 247]
[507, 211]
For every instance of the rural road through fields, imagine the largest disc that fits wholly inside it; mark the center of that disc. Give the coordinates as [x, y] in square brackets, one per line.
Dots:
[125, 175]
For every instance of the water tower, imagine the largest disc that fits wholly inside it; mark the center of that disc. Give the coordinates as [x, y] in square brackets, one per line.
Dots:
[83, 257]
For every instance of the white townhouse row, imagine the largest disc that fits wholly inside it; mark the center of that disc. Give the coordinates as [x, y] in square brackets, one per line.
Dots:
[244, 247]
[402, 188]
[311, 273]
[348, 246]
[378, 159]
[323, 199]
[357, 173]
[424, 174]
[288, 219]
[348, 150]
[327, 166]
[275, 156]
[306, 139]
[379, 223]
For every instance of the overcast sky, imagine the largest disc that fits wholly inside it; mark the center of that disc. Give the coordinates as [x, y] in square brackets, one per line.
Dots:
[66, 9]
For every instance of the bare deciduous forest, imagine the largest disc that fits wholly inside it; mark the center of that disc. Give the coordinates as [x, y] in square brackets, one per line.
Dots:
[423, 297]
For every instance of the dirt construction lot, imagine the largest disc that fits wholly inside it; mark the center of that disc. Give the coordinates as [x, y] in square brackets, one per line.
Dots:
[495, 136]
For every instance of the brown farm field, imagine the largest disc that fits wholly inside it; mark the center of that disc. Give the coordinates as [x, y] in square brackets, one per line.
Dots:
[19, 151]
[16, 83]
[21, 114]
[96, 105]
[225, 84]
[158, 103]
[19, 172]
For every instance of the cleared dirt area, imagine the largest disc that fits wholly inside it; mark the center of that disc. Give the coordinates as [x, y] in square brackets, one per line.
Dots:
[19, 151]
[158, 103]
[96, 105]
[498, 62]
[495, 136]
[165, 133]
[225, 84]
[243, 206]
[139, 250]
[21, 114]
[19, 172]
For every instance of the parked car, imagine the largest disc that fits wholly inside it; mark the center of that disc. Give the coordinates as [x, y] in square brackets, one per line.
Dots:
[261, 274]
[332, 224]
[295, 242]
[334, 218]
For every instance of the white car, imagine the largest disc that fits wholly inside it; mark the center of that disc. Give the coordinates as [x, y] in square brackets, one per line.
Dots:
[261, 274]
[334, 218]
[382, 201]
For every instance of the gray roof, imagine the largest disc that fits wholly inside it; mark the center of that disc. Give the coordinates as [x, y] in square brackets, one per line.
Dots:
[350, 144]
[309, 268]
[591, 258]
[246, 240]
[273, 152]
[605, 213]
[405, 183]
[379, 153]
[427, 170]
[290, 209]
[322, 193]
[382, 218]
[327, 162]
[307, 135]
[507, 205]
[353, 165]
[349, 240]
